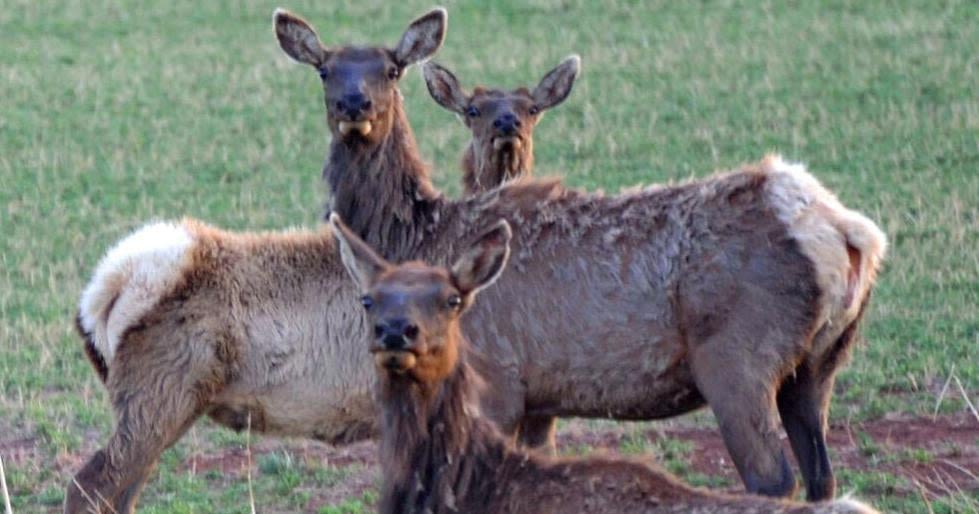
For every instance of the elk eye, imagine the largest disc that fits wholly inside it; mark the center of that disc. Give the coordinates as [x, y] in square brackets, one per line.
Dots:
[472, 112]
[534, 110]
[367, 302]
[323, 73]
[394, 73]
[454, 301]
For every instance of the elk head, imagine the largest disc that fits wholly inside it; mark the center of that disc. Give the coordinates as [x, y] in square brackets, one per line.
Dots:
[414, 309]
[502, 122]
[361, 83]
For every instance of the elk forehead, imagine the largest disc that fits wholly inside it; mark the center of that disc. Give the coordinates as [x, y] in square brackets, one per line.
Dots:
[411, 283]
[490, 101]
[350, 65]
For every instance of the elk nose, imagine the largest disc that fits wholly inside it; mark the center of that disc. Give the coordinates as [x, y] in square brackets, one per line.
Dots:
[395, 334]
[354, 105]
[507, 124]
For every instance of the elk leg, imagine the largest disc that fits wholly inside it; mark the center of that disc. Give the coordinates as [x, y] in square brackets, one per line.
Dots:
[803, 402]
[537, 432]
[154, 407]
[742, 398]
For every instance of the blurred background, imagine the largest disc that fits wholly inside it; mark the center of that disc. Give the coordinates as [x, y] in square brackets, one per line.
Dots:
[116, 113]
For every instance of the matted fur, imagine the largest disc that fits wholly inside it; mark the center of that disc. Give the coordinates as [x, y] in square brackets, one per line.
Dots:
[254, 330]
[729, 290]
[442, 456]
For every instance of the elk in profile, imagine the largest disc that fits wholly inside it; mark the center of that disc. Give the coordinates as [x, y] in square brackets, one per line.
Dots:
[441, 455]
[502, 122]
[742, 291]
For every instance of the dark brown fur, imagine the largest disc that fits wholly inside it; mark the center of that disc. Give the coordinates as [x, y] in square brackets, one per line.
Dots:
[639, 306]
[93, 355]
[442, 456]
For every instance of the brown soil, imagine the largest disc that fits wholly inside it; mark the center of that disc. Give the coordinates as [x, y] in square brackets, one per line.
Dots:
[937, 457]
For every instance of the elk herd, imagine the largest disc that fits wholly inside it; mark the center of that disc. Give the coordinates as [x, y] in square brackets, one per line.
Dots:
[455, 331]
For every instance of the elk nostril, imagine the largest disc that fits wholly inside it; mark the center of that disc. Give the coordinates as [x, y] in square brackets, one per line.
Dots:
[411, 331]
[516, 123]
[366, 104]
[378, 331]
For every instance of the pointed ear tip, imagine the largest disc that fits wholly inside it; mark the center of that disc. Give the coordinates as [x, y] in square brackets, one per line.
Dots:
[574, 60]
[441, 12]
[280, 14]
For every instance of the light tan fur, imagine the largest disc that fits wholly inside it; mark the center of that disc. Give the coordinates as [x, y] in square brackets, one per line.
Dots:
[824, 228]
[132, 276]
[251, 329]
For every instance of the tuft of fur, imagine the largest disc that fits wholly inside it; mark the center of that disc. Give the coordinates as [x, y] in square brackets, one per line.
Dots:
[819, 223]
[130, 279]
[849, 505]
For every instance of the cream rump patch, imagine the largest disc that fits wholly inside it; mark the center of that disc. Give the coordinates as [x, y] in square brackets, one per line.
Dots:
[844, 246]
[130, 279]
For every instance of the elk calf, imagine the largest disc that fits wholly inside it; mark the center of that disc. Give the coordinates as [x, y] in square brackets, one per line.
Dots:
[502, 122]
[442, 455]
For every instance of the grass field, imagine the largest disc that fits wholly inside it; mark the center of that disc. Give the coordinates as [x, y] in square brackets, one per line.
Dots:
[114, 113]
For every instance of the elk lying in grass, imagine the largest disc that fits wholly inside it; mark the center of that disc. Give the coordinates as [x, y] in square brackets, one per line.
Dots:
[502, 122]
[742, 291]
[253, 330]
[442, 455]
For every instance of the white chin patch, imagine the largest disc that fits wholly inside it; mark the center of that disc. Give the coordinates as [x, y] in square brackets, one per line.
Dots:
[501, 142]
[361, 127]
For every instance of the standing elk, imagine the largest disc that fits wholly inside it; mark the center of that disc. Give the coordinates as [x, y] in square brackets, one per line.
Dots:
[441, 455]
[502, 122]
[742, 291]
[256, 331]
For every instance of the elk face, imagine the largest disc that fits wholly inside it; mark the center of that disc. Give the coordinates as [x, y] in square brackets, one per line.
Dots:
[360, 84]
[502, 122]
[414, 309]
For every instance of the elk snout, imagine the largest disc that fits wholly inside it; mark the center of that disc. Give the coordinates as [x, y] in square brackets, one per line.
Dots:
[506, 124]
[396, 334]
[353, 105]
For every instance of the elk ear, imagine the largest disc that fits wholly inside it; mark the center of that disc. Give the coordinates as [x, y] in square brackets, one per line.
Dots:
[423, 38]
[484, 261]
[555, 87]
[298, 38]
[444, 88]
[362, 263]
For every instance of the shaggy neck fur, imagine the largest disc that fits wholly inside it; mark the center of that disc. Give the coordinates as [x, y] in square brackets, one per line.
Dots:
[382, 189]
[439, 452]
[485, 168]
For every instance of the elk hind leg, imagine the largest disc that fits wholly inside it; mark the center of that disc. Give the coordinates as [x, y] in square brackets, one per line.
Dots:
[803, 401]
[537, 432]
[743, 401]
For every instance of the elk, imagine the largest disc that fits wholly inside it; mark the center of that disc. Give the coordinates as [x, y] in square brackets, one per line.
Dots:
[502, 122]
[442, 455]
[182, 320]
[742, 291]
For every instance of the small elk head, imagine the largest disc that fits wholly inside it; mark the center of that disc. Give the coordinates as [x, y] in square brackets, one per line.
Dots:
[414, 309]
[361, 83]
[502, 122]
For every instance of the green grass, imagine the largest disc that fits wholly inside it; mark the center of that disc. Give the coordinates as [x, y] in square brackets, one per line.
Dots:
[114, 113]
